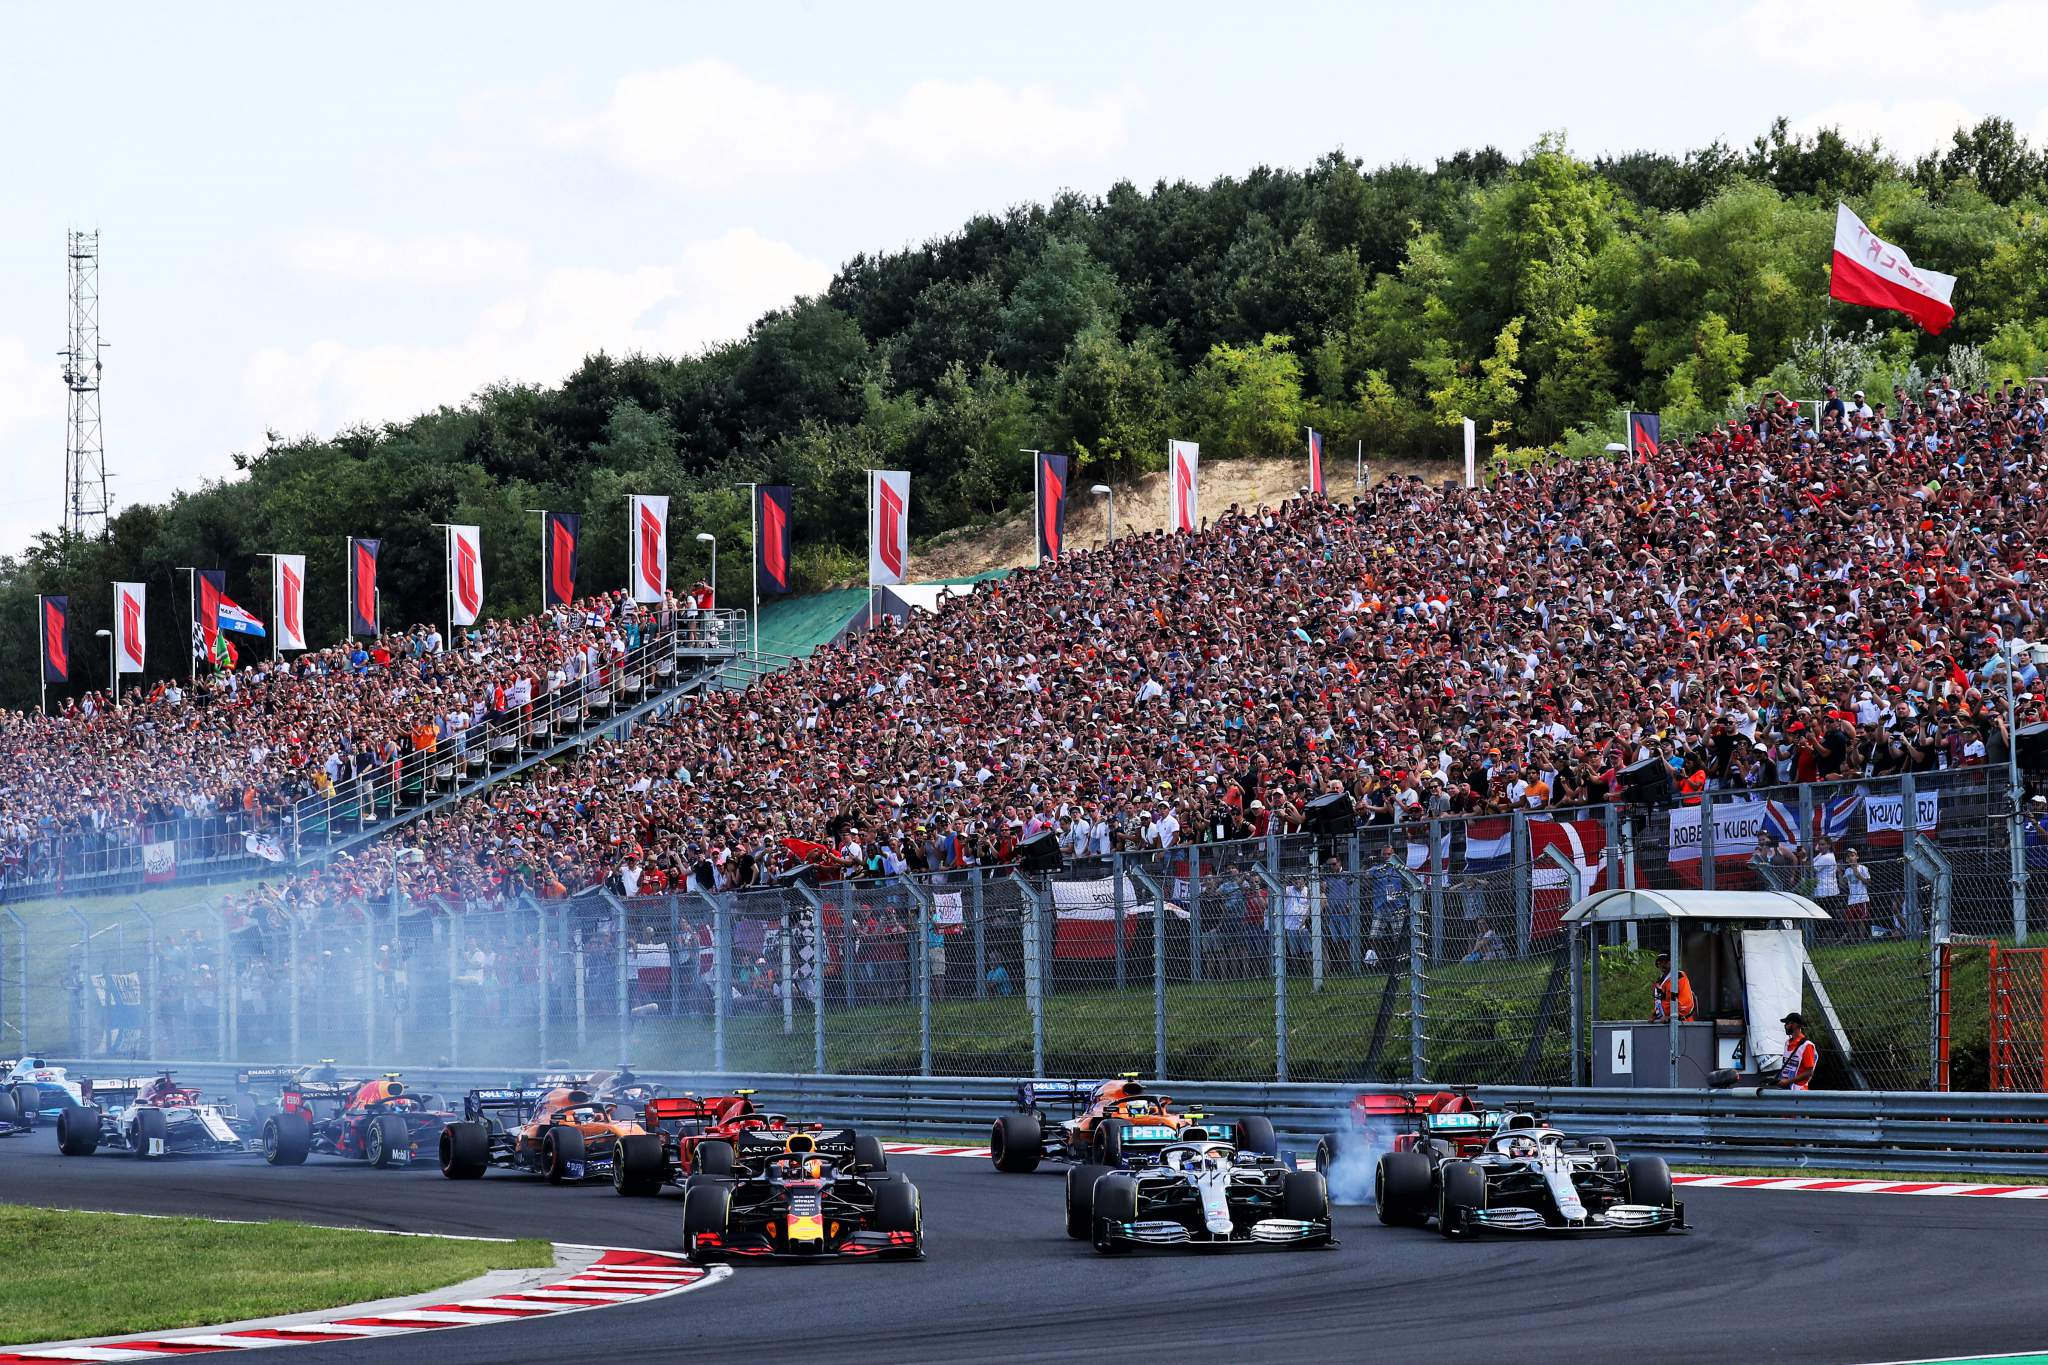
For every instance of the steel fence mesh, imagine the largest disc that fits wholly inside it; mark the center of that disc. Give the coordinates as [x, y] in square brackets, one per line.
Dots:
[2018, 1010]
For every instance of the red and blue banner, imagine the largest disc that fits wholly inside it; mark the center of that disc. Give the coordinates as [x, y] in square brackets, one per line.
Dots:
[1645, 434]
[1053, 471]
[561, 552]
[55, 634]
[772, 539]
[362, 586]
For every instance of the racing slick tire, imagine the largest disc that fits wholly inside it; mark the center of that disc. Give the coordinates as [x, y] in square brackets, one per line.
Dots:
[868, 1156]
[1081, 1200]
[1255, 1134]
[1401, 1189]
[148, 1127]
[287, 1137]
[1649, 1182]
[27, 1101]
[900, 1208]
[561, 1149]
[1463, 1189]
[78, 1130]
[1603, 1149]
[707, 1208]
[1116, 1201]
[384, 1138]
[638, 1166]
[1305, 1195]
[1109, 1142]
[1016, 1142]
[465, 1150]
[10, 1111]
[713, 1157]
[1328, 1148]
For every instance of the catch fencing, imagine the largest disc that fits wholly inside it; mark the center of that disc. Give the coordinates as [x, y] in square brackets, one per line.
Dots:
[1425, 951]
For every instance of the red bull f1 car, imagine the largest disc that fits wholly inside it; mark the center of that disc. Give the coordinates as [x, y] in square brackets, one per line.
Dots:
[1107, 1123]
[149, 1117]
[802, 1195]
[380, 1122]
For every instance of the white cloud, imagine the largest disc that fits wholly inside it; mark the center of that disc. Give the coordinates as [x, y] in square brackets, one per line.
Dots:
[1863, 45]
[713, 291]
[1906, 127]
[709, 127]
[453, 259]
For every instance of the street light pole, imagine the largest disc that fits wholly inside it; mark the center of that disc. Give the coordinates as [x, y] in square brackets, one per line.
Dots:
[754, 569]
[1103, 490]
[2016, 853]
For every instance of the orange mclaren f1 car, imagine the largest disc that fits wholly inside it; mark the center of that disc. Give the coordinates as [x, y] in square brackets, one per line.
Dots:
[1108, 1123]
[562, 1132]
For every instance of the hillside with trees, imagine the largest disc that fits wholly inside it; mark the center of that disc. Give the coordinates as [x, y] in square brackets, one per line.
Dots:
[1536, 294]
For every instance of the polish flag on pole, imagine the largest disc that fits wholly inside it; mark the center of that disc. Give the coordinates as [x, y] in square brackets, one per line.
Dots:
[465, 574]
[1872, 272]
[888, 526]
[128, 627]
[1184, 459]
[648, 539]
[288, 600]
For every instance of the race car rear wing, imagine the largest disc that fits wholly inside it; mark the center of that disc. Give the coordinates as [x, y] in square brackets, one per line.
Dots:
[118, 1088]
[516, 1099]
[755, 1147]
[662, 1108]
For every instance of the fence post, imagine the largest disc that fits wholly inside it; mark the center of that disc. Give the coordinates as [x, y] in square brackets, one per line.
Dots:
[1158, 895]
[819, 953]
[545, 976]
[1521, 876]
[579, 984]
[1909, 839]
[675, 954]
[1437, 877]
[1706, 868]
[924, 978]
[1034, 970]
[221, 985]
[976, 907]
[1418, 952]
[1360, 924]
[455, 965]
[292, 987]
[721, 980]
[1194, 906]
[787, 981]
[1578, 986]
[621, 945]
[846, 953]
[1276, 938]
[21, 971]
[1116, 899]
[369, 980]
[148, 985]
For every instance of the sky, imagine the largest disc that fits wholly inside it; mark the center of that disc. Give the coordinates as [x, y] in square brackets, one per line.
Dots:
[318, 216]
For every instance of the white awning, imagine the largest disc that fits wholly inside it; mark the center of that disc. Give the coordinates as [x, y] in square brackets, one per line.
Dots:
[1622, 906]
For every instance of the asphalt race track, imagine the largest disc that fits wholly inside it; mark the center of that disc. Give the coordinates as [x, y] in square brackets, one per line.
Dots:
[1765, 1276]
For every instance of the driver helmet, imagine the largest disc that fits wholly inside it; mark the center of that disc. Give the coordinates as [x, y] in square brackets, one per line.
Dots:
[1521, 1146]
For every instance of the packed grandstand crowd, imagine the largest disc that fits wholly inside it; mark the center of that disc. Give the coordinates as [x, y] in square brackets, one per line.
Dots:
[1778, 600]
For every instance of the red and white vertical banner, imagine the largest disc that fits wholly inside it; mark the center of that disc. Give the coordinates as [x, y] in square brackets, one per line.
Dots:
[888, 526]
[648, 539]
[129, 621]
[465, 575]
[1183, 464]
[288, 600]
[1315, 462]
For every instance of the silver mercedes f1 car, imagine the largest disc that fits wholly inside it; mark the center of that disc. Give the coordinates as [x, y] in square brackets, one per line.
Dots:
[1199, 1193]
[1527, 1178]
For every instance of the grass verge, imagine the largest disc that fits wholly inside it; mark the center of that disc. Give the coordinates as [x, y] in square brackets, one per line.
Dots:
[100, 1274]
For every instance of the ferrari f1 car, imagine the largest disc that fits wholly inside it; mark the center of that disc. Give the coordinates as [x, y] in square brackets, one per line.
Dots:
[564, 1133]
[378, 1121]
[150, 1117]
[698, 1134]
[1525, 1176]
[1107, 1123]
[800, 1196]
[32, 1092]
[1199, 1193]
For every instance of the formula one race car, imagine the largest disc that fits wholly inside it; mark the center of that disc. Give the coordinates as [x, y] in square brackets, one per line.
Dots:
[1108, 1123]
[801, 1196]
[33, 1091]
[1199, 1193]
[1379, 1121]
[151, 1117]
[692, 1134]
[563, 1133]
[378, 1121]
[1525, 1176]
